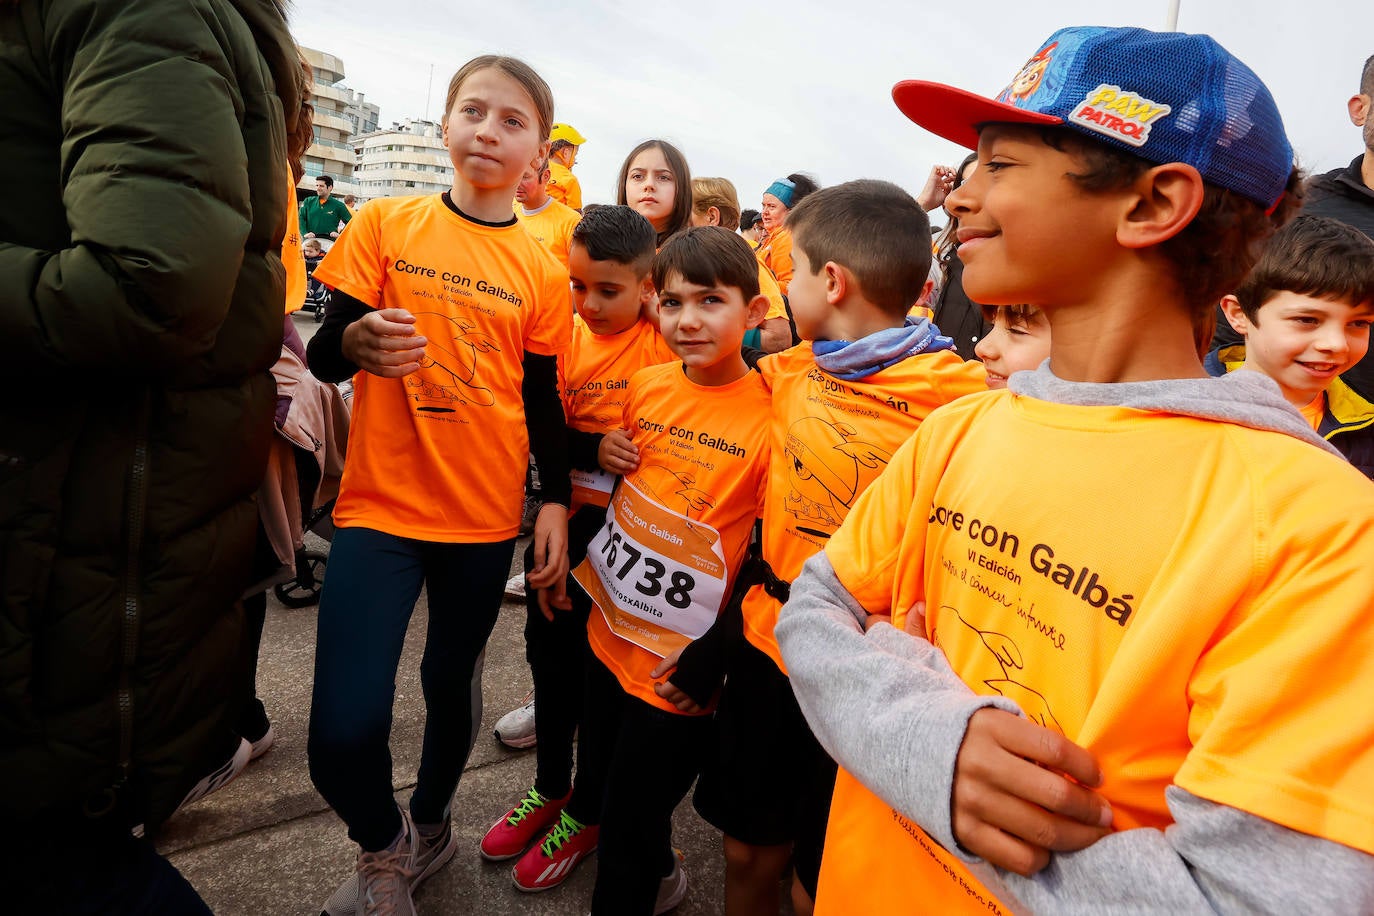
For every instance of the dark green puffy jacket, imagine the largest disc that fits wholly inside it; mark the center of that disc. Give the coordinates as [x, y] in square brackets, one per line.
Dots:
[142, 204]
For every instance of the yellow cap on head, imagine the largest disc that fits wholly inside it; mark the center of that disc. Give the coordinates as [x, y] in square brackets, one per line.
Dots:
[567, 132]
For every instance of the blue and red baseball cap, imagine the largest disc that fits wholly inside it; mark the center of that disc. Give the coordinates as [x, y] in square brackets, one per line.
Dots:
[1163, 96]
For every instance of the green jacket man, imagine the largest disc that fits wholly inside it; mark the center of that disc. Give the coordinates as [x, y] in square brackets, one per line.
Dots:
[322, 215]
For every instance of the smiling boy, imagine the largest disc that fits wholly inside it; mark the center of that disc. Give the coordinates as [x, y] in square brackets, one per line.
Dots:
[694, 467]
[1305, 312]
[1117, 556]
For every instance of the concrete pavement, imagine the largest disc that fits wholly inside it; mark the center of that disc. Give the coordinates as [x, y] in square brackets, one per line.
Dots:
[268, 844]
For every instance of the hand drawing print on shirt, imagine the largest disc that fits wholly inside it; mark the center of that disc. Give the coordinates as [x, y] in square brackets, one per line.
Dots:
[674, 490]
[1011, 661]
[449, 370]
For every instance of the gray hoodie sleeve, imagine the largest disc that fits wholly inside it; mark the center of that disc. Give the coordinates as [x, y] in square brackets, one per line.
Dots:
[885, 696]
[877, 697]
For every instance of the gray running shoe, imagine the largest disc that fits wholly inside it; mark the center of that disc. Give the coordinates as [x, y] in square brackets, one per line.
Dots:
[429, 855]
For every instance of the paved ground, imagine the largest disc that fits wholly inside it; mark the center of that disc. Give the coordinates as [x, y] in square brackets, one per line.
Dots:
[268, 844]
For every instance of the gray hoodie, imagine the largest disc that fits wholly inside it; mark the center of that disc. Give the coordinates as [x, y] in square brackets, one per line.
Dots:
[887, 696]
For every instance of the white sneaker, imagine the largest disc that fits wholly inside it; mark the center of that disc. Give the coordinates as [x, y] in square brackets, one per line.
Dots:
[516, 728]
[672, 890]
[515, 587]
[263, 744]
[220, 777]
[430, 854]
[213, 781]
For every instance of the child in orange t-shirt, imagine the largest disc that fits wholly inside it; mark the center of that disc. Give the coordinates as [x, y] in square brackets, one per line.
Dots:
[693, 466]
[859, 385]
[1118, 573]
[612, 248]
[449, 317]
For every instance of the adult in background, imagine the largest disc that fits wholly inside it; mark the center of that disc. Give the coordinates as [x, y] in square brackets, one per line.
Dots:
[141, 294]
[564, 187]
[775, 248]
[751, 227]
[1345, 194]
[323, 216]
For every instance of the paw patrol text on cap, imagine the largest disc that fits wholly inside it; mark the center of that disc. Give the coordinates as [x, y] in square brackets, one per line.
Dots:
[1163, 96]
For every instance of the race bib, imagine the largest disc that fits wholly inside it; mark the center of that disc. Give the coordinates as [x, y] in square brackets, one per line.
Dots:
[657, 575]
[592, 488]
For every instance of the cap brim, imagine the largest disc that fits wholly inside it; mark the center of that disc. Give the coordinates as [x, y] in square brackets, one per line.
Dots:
[956, 114]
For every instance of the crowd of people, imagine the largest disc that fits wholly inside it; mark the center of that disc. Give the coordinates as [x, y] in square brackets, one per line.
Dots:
[838, 525]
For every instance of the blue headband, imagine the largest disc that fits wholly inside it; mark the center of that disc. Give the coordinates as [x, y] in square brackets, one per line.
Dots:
[783, 190]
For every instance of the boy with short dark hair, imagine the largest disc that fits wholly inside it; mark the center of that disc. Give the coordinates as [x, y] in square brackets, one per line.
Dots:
[1314, 289]
[1157, 584]
[858, 386]
[659, 571]
[608, 261]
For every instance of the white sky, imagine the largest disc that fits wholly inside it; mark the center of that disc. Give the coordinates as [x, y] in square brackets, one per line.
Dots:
[753, 91]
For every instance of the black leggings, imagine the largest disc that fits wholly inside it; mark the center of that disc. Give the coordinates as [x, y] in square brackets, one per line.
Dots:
[635, 763]
[557, 652]
[370, 588]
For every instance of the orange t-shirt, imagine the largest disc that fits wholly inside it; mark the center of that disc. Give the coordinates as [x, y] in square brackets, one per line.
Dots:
[552, 227]
[292, 257]
[828, 440]
[777, 308]
[440, 454]
[775, 253]
[703, 458]
[563, 186]
[1086, 563]
[1314, 411]
[593, 381]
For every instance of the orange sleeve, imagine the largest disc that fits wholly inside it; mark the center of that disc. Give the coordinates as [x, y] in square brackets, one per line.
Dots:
[292, 257]
[1272, 698]
[354, 263]
[780, 259]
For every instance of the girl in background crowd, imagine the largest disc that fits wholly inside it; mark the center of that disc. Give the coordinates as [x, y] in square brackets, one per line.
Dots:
[655, 182]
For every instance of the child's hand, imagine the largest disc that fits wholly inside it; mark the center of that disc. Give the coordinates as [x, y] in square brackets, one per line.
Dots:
[938, 186]
[1019, 792]
[667, 691]
[550, 573]
[384, 343]
[617, 454]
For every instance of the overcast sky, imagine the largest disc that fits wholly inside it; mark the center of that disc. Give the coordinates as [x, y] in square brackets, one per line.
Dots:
[753, 91]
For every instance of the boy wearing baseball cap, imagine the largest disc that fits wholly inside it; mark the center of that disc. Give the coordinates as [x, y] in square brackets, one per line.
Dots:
[1117, 573]
[563, 184]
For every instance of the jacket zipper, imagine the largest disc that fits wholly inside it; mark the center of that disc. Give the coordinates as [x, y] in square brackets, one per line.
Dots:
[138, 496]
